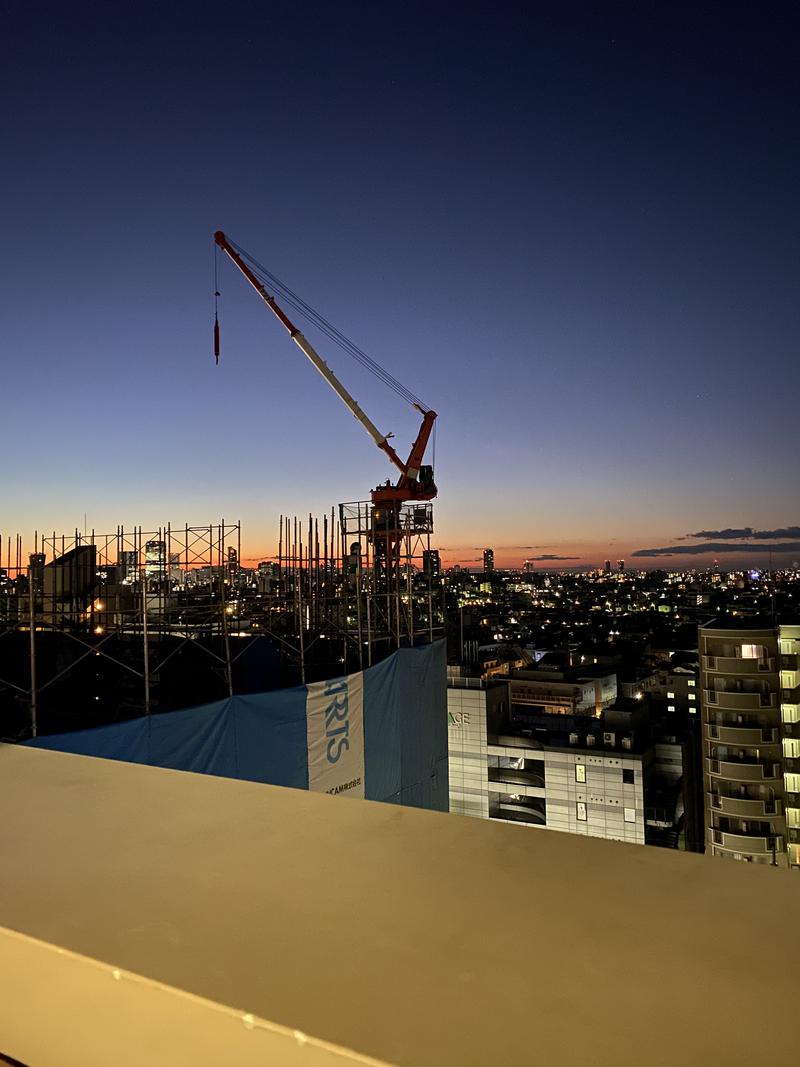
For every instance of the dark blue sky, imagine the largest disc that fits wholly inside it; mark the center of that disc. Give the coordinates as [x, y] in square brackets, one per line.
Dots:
[572, 229]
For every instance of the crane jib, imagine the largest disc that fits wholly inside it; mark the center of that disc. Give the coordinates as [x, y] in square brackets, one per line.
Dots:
[409, 484]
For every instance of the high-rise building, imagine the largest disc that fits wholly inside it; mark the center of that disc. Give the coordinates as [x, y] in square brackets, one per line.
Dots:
[607, 567]
[488, 560]
[750, 700]
[620, 565]
[155, 560]
[128, 566]
[36, 573]
[431, 563]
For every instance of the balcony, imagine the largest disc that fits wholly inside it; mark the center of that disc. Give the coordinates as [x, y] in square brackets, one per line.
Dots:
[728, 733]
[721, 698]
[738, 666]
[746, 770]
[790, 679]
[744, 807]
[517, 813]
[748, 844]
[515, 777]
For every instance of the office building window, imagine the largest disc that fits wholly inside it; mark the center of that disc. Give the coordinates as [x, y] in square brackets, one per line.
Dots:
[627, 776]
[630, 815]
[580, 811]
[580, 772]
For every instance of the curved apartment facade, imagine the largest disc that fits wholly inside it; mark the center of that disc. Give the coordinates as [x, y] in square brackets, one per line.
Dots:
[750, 696]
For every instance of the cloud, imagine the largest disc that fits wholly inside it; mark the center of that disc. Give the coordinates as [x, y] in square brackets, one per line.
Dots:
[512, 548]
[550, 559]
[745, 532]
[717, 549]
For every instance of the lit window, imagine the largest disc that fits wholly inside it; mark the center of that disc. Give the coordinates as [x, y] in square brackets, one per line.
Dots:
[580, 811]
[670, 696]
[630, 815]
[670, 707]
[692, 696]
[691, 683]
[580, 772]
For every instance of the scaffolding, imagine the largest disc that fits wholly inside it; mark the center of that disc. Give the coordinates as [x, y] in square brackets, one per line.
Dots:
[100, 627]
[390, 596]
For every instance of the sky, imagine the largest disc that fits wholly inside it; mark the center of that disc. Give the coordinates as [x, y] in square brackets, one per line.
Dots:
[570, 228]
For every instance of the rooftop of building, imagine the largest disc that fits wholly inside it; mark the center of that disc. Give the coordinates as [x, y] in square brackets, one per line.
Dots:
[750, 623]
[163, 917]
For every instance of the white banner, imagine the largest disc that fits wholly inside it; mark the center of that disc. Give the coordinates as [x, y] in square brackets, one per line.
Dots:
[335, 735]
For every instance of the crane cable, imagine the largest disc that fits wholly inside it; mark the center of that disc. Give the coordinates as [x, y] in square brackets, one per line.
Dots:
[317, 320]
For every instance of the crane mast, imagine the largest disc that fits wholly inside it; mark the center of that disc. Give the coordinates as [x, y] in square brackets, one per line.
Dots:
[416, 480]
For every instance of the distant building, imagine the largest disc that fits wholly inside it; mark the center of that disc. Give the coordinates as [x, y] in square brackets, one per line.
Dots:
[69, 581]
[431, 563]
[620, 565]
[607, 567]
[155, 560]
[36, 573]
[677, 687]
[176, 575]
[488, 560]
[128, 567]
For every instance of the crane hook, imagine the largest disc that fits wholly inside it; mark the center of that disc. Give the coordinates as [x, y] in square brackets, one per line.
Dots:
[216, 335]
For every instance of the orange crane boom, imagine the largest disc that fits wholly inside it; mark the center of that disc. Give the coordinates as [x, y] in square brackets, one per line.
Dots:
[416, 479]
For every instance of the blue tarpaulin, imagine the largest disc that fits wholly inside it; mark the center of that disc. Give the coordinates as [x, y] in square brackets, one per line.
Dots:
[263, 737]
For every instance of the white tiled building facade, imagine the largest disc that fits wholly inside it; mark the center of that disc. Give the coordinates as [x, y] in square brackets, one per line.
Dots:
[577, 790]
[466, 727]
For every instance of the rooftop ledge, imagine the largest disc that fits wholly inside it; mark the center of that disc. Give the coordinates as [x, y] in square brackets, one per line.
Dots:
[157, 916]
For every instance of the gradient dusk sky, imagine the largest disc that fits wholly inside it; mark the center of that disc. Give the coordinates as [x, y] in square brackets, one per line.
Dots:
[572, 229]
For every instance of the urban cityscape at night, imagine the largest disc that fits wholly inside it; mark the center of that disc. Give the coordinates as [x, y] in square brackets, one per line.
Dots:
[492, 672]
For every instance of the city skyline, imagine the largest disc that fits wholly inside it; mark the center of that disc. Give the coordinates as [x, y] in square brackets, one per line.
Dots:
[753, 549]
[572, 236]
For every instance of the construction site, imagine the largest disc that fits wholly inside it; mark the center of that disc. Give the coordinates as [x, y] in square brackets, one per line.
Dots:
[96, 628]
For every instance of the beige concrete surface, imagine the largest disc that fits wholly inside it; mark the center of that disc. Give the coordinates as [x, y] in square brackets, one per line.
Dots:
[59, 1009]
[412, 937]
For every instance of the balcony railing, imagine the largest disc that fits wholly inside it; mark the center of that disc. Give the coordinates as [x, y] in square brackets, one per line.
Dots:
[730, 698]
[732, 732]
[737, 665]
[745, 770]
[744, 807]
[516, 777]
[749, 844]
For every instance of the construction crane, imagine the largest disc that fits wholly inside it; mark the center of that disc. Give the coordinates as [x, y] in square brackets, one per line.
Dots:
[416, 479]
